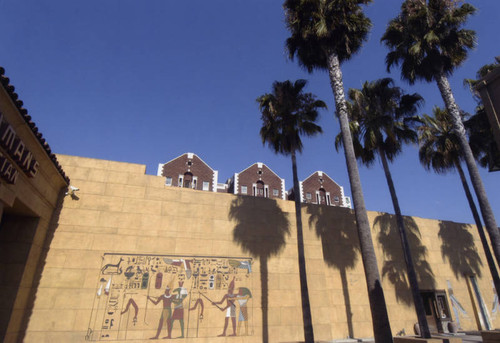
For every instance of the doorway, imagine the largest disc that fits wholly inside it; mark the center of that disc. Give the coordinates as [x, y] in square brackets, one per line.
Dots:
[16, 240]
[437, 310]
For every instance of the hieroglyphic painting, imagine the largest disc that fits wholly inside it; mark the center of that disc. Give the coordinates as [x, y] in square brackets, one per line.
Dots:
[456, 305]
[169, 296]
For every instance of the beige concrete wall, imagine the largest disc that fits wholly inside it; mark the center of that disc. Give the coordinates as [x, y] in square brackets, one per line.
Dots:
[121, 213]
[28, 206]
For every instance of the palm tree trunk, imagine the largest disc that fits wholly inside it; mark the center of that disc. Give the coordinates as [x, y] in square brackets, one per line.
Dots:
[304, 291]
[477, 219]
[477, 183]
[380, 319]
[410, 267]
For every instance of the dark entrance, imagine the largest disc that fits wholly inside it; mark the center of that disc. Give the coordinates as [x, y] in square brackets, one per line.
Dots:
[17, 231]
[322, 197]
[188, 179]
[437, 310]
[260, 189]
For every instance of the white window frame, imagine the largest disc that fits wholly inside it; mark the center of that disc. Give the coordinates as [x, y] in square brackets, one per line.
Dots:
[168, 181]
[206, 186]
[181, 180]
[194, 182]
[276, 192]
[244, 190]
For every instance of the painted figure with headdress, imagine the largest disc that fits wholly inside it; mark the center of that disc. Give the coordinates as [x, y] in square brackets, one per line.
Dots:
[166, 313]
[230, 308]
[178, 300]
[244, 295]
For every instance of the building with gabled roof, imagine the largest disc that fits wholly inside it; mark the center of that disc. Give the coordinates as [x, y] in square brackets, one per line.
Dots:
[189, 171]
[84, 262]
[258, 180]
[319, 188]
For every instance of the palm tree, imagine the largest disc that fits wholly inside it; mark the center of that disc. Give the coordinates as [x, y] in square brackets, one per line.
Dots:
[323, 35]
[481, 139]
[382, 120]
[288, 113]
[428, 42]
[440, 151]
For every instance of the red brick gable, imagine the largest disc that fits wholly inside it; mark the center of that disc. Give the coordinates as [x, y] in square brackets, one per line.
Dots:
[319, 188]
[259, 180]
[320, 184]
[189, 169]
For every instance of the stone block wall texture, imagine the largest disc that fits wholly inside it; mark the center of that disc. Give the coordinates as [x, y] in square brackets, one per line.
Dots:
[125, 224]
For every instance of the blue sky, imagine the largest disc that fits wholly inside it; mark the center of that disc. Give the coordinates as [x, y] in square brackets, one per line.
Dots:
[145, 81]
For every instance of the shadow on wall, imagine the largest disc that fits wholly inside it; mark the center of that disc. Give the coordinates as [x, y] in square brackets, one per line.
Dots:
[53, 224]
[261, 229]
[394, 266]
[336, 227]
[457, 246]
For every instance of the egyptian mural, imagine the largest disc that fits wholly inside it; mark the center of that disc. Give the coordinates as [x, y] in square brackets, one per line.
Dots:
[484, 316]
[166, 296]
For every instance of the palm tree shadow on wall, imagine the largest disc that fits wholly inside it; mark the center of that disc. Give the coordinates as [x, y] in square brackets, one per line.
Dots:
[261, 230]
[458, 247]
[394, 267]
[336, 227]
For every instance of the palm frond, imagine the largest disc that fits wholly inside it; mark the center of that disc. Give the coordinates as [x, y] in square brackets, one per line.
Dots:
[320, 27]
[439, 147]
[382, 118]
[286, 114]
[427, 38]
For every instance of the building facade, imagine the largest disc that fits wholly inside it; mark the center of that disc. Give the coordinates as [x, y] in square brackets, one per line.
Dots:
[258, 180]
[123, 256]
[32, 186]
[129, 240]
[189, 171]
[320, 189]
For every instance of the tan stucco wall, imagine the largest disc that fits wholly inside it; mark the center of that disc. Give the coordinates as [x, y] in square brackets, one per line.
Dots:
[121, 211]
[27, 206]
